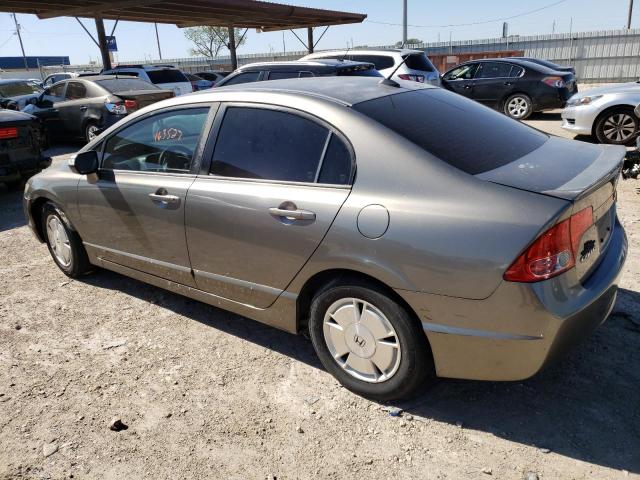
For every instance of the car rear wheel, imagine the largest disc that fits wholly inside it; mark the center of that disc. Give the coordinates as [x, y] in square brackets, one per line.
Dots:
[518, 106]
[369, 342]
[65, 245]
[618, 126]
[91, 131]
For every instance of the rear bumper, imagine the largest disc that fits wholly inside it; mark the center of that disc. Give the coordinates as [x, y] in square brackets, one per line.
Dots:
[520, 328]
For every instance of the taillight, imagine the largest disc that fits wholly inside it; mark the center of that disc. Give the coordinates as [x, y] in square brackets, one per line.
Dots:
[7, 133]
[556, 82]
[553, 252]
[130, 104]
[414, 78]
[116, 108]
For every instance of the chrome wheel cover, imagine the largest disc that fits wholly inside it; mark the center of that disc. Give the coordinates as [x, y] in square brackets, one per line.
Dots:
[619, 127]
[361, 340]
[92, 132]
[59, 241]
[517, 107]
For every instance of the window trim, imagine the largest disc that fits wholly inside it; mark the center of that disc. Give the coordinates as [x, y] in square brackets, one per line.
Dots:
[197, 153]
[207, 158]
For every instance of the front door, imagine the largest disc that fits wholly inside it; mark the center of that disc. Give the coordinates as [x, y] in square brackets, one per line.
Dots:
[460, 79]
[132, 214]
[276, 181]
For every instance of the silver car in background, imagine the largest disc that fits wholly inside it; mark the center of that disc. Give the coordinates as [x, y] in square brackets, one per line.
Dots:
[606, 113]
[417, 67]
[457, 243]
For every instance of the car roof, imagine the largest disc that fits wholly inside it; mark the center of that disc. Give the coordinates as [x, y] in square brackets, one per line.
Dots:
[328, 64]
[516, 61]
[374, 51]
[93, 78]
[144, 67]
[343, 90]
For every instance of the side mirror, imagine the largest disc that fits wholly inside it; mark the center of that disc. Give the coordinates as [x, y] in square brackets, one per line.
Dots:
[84, 163]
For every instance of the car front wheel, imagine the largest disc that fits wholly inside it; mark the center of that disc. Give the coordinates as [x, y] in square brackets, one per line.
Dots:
[65, 245]
[518, 106]
[617, 127]
[369, 342]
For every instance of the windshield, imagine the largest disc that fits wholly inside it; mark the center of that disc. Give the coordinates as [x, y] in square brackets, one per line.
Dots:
[125, 85]
[16, 89]
[463, 133]
[166, 76]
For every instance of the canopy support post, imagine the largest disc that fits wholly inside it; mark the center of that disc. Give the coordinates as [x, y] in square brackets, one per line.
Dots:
[310, 39]
[232, 48]
[102, 43]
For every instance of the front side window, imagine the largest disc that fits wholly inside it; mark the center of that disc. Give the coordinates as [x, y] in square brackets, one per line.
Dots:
[165, 142]
[268, 144]
[494, 70]
[245, 77]
[463, 72]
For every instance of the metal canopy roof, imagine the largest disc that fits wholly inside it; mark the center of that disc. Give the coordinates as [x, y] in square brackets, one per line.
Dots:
[265, 16]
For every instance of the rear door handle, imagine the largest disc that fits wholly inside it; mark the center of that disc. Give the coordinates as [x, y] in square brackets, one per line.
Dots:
[83, 108]
[508, 84]
[292, 214]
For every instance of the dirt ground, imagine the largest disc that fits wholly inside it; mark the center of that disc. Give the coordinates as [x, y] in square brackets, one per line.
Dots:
[208, 394]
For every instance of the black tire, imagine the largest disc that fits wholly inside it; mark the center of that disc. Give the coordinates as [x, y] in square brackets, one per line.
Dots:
[416, 364]
[87, 131]
[79, 261]
[609, 119]
[521, 109]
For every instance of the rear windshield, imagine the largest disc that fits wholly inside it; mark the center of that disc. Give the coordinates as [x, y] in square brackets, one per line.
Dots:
[419, 61]
[16, 89]
[359, 72]
[459, 131]
[125, 85]
[166, 76]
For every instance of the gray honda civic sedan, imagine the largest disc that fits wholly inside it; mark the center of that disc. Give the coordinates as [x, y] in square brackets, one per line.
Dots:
[412, 232]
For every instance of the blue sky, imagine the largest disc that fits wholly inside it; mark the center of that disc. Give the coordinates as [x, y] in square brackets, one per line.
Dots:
[64, 36]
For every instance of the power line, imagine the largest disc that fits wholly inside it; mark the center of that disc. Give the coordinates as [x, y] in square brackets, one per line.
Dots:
[502, 19]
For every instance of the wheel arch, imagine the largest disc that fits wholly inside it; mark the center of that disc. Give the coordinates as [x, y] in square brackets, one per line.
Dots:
[506, 96]
[609, 109]
[35, 211]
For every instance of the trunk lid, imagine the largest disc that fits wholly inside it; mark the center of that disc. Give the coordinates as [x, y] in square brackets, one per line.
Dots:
[585, 175]
[144, 97]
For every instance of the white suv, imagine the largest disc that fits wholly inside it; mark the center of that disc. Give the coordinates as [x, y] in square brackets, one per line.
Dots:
[166, 77]
[417, 66]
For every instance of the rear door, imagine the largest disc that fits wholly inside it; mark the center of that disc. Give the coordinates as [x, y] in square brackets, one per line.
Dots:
[132, 213]
[276, 180]
[493, 82]
[73, 109]
[460, 79]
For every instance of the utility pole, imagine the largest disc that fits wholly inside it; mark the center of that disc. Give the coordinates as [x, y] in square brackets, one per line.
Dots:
[404, 22]
[630, 14]
[158, 40]
[102, 43]
[24, 57]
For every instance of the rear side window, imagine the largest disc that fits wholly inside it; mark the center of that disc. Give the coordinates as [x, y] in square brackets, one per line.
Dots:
[166, 76]
[75, 91]
[282, 75]
[419, 61]
[245, 77]
[494, 70]
[337, 164]
[516, 71]
[457, 130]
[268, 144]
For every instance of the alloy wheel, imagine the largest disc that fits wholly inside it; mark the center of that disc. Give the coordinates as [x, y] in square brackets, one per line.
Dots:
[92, 132]
[517, 107]
[361, 340]
[59, 241]
[619, 127]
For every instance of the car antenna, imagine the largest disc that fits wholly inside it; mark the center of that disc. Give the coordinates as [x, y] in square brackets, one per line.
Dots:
[387, 80]
[345, 54]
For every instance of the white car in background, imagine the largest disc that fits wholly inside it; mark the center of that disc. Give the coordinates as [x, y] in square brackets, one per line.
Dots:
[606, 113]
[417, 67]
[166, 77]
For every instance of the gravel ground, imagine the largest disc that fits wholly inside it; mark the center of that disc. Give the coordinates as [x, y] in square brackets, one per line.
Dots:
[205, 393]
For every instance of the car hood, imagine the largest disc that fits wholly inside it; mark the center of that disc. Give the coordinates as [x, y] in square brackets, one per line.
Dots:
[631, 87]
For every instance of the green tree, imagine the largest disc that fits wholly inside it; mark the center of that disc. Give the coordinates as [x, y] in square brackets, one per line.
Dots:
[410, 41]
[208, 41]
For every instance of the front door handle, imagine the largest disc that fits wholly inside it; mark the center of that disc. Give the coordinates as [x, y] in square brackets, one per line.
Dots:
[296, 214]
[83, 108]
[163, 199]
[508, 84]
